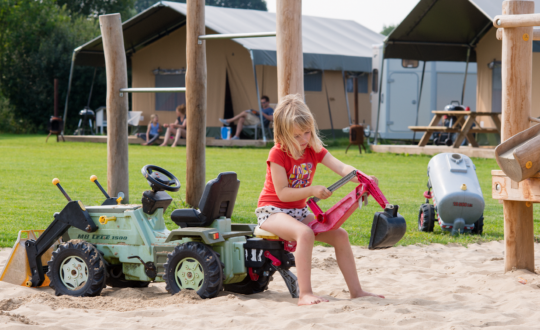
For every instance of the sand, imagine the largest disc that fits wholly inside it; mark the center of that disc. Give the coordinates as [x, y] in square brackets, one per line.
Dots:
[427, 287]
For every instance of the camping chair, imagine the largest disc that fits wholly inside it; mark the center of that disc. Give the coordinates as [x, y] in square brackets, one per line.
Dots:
[269, 130]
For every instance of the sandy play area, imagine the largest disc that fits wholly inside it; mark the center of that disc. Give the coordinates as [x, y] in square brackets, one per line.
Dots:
[427, 287]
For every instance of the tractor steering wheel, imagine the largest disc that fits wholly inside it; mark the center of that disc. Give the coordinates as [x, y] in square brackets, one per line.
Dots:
[160, 179]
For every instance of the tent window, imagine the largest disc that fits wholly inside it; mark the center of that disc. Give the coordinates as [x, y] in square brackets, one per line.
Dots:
[496, 87]
[169, 101]
[362, 84]
[312, 80]
[409, 64]
[375, 80]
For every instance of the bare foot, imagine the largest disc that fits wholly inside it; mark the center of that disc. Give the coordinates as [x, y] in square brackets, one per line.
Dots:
[363, 293]
[145, 144]
[163, 144]
[310, 299]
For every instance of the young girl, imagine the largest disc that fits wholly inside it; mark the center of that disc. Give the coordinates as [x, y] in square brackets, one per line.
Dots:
[177, 128]
[282, 206]
[152, 133]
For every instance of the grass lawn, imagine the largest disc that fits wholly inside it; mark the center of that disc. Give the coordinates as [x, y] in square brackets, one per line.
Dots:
[29, 199]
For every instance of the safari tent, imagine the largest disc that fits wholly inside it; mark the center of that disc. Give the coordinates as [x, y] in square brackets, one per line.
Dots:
[334, 50]
[460, 30]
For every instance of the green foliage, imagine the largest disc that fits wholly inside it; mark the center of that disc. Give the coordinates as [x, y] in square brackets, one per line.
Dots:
[38, 39]
[387, 29]
[95, 8]
[141, 5]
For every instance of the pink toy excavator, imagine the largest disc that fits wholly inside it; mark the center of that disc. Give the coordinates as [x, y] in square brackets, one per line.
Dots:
[388, 226]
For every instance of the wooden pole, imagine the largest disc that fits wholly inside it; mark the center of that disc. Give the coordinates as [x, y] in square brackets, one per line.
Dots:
[516, 109]
[195, 102]
[355, 89]
[290, 63]
[117, 105]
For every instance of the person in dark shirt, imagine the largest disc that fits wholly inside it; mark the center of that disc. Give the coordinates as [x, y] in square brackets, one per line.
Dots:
[177, 128]
[251, 117]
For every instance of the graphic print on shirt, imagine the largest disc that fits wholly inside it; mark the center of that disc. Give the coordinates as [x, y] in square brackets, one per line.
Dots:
[300, 175]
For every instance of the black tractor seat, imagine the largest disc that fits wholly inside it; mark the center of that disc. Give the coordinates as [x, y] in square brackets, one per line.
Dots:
[217, 201]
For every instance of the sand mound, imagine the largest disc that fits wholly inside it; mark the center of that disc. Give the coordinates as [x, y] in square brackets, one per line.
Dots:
[120, 300]
[426, 287]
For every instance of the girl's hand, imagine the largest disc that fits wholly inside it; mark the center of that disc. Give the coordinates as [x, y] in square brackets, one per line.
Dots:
[165, 125]
[374, 179]
[321, 192]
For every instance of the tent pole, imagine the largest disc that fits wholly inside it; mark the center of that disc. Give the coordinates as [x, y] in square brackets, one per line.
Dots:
[465, 78]
[75, 51]
[380, 92]
[329, 109]
[258, 95]
[419, 98]
[346, 96]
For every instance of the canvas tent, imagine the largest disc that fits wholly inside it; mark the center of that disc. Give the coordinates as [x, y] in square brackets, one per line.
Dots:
[155, 46]
[459, 30]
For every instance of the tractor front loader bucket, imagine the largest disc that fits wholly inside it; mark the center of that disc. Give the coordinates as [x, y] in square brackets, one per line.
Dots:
[17, 269]
[387, 229]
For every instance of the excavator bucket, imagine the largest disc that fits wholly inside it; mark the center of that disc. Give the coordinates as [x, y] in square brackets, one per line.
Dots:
[17, 269]
[387, 229]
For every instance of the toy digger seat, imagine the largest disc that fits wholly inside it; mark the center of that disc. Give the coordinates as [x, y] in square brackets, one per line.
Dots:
[261, 233]
[217, 201]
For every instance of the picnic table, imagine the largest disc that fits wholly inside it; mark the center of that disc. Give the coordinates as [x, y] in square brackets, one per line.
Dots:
[463, 125]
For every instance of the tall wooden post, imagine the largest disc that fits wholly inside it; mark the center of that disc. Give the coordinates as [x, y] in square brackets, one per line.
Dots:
[355, 90]
[117, 105]
[290, 63]
[516, 109]
[195, 102]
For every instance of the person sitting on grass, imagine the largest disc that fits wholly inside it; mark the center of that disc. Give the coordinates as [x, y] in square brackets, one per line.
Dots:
[178, 128]
[152, 132]
[251, 117]
[282, 209]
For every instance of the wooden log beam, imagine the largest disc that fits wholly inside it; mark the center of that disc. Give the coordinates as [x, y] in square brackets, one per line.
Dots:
[195, 102]
[516, 109]
[535, 34]
[290, 63]
[516, 20]
[117, 106]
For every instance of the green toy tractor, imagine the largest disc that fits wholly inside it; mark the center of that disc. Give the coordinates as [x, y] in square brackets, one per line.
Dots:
[129, 246]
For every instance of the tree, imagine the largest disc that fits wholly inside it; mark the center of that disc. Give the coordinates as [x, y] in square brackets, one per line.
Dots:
[141, 5]
[387, 29]
[94, 8]
[37, 39]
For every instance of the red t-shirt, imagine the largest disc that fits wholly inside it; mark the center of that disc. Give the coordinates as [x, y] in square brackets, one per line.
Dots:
[300, 173]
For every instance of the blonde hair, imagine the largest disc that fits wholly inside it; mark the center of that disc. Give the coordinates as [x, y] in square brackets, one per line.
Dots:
[290, 112]
[181, 108]
[152, 118]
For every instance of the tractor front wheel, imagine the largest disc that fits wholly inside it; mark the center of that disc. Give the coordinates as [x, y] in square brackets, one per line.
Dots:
[426, 218]
[194, 266]
[76, 269]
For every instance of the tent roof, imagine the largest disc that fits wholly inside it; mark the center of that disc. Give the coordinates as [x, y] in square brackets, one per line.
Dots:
[442, 30]
[328, 44]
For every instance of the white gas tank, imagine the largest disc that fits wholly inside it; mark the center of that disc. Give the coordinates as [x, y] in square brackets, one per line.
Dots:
[456, 190]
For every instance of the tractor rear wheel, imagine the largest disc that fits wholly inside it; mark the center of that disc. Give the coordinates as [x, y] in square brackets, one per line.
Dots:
[478, 226]
[194, 266]
[426, 218]
[248, 286]
[76, 269]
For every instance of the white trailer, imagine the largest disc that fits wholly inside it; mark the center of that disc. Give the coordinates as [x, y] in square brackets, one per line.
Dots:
[399, 92]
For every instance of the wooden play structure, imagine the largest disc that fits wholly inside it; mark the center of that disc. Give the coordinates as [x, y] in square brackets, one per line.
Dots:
[290, 81]
[518, 185]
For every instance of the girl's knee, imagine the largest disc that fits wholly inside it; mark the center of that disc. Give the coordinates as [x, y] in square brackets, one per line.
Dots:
[306, 234]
